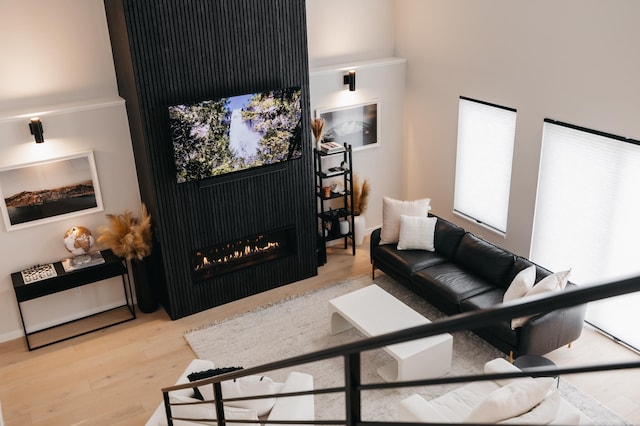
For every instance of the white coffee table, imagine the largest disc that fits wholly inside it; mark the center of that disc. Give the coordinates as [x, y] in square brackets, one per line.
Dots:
[373, 312]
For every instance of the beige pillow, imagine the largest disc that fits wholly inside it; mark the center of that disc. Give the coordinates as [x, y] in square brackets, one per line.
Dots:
[511, 400]
[392, 210]
[417, 233]
[550, 283]
[521, 284]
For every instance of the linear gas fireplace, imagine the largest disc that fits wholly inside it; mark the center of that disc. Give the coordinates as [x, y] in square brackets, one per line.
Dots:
[249, 251]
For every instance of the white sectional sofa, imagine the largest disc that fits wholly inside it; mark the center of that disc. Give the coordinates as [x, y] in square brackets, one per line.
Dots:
[514, 401]
[283, 408]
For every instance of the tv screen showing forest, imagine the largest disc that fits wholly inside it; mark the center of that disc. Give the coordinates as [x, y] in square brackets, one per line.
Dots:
[226, 135]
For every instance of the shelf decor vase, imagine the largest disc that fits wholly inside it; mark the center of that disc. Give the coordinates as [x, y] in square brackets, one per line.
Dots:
[359, 229]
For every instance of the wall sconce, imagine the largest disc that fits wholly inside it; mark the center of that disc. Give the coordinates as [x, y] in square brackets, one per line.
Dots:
[350, 79]
[36, 130]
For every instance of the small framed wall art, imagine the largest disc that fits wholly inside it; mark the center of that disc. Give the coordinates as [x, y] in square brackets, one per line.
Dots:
[49, 190]
[357, 125]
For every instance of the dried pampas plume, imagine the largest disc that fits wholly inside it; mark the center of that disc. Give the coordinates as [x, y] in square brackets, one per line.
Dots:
[360, 195]
[126, 236]
[317, 126]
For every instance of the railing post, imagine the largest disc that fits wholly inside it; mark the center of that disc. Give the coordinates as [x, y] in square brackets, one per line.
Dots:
[217, 396]
[352, 388]
[167, 408]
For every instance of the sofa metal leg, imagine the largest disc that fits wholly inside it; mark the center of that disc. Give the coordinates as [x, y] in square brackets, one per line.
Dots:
[569, 345]
[511, 359]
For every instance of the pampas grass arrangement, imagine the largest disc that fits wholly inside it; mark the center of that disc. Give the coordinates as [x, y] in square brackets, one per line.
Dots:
[317, 127]
[360, 195]
[126, 236]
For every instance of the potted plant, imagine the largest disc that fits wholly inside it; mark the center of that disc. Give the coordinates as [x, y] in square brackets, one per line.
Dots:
[360, 204]
[130, 238]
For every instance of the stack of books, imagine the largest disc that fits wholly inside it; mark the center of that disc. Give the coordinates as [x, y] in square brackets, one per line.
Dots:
[331, 147]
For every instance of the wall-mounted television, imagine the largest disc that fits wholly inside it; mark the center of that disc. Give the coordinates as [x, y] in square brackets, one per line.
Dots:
[236, 133]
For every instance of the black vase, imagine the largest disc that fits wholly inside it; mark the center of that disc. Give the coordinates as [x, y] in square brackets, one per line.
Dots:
[142, 281]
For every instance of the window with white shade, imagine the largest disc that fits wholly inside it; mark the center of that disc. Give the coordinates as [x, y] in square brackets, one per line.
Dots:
[486, 134]
[586, 217]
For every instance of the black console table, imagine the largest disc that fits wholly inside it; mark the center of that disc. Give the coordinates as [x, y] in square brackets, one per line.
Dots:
[112, 267]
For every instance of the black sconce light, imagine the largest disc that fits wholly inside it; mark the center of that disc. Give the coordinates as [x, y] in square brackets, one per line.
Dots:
[36, 130]
[350, 79]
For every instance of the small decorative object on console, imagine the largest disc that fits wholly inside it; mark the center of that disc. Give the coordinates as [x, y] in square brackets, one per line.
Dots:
[79, 241]
[38, 273]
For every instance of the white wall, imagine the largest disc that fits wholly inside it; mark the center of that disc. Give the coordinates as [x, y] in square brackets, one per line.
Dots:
[573, 60]
[383, 81]
[359, 34]
[56, 63]
[344, 31]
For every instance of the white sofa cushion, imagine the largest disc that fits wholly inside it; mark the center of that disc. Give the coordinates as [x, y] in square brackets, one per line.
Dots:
[250, 386]
[541, 414]
[197, 410]
[454, 406]
[295, 407]
[511, 400]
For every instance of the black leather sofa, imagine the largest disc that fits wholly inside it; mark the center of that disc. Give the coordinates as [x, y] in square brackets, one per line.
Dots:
[465, 273]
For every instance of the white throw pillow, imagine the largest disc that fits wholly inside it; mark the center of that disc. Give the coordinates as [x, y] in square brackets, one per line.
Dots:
[196, 409]
[511, 400]
[251, 386]
[542, 414]
[550, 283]
[499, 366]
[417, 233]
[391, 212]
[521, 284]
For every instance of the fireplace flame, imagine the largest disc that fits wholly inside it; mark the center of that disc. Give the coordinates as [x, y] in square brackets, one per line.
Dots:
[230, 255]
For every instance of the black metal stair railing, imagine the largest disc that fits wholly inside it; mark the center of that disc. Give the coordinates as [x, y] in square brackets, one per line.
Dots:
[350, 353]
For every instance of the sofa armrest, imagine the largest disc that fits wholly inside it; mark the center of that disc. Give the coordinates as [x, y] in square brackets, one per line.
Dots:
[544, 333]
[374, 241]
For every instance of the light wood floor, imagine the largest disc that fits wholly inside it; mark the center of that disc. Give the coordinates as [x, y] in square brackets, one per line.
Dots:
[114, 376]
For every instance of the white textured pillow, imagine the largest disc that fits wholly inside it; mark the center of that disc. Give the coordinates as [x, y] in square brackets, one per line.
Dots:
[542, 414]
[251, 386]
[553, 282]
[391, 212]
[511, 400]
[417, 233]
[521, 284]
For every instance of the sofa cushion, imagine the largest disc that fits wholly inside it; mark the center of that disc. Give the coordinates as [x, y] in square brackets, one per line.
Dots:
[195, 409]
[406, 261]
[450, 284]
[511, 400]
[446, 238]
[542, 414]
[484, 259]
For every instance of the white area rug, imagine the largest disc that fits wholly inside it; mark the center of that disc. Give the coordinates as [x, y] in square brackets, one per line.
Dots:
[301, 325]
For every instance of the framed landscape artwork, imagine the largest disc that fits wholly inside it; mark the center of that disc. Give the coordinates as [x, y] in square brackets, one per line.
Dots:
[49, 190]
[357, 125]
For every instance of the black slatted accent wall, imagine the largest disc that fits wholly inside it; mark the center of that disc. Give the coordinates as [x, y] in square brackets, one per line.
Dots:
[172, 51]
